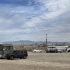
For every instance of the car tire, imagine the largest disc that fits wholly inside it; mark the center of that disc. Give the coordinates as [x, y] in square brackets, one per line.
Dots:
[24, 57]
[11, 57]
[40, 51]
[34, 51]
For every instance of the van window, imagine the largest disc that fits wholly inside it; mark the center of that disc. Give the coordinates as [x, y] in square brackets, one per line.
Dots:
[1, 48]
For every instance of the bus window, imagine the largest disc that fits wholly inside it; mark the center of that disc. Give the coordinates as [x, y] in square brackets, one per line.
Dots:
[8, 48]
[11, 48]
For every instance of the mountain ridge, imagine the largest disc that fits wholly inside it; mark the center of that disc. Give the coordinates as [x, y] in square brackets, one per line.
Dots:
[34, 42]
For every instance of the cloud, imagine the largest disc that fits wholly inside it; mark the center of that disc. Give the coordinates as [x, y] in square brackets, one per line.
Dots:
[34, 21]
[18, 2]
[54, 5]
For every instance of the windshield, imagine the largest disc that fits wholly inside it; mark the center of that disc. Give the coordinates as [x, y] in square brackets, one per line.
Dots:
[8, 48]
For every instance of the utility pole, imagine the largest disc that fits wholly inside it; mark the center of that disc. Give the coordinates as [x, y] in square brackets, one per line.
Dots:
[46, 40]
[22, 44]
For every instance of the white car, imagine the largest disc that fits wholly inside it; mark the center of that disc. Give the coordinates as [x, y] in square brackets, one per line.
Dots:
[37, 50]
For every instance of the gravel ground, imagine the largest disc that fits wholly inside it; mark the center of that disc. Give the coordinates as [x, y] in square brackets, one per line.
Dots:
[38, 61]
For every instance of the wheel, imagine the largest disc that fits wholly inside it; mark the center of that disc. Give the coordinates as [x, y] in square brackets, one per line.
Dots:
[40, 51]
[24, 57]
[46, 51]
[34, 51]
[11, 57]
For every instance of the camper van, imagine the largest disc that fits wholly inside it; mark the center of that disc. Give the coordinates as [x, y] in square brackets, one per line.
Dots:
[4, 49]
[52, 50]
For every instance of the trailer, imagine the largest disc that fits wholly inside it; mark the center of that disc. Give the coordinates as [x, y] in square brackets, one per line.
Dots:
[68, 49]
[59, 48]
[4, 49]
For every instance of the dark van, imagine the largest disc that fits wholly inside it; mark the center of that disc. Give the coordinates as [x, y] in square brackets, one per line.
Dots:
[4, 49]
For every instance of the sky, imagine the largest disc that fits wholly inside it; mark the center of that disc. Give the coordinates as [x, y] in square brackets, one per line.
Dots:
[33, 19]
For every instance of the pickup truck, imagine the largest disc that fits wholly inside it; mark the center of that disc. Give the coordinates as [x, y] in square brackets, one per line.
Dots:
[17, 54]
[51, 50]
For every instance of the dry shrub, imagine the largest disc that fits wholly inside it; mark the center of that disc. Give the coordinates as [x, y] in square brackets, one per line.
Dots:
[28, 47]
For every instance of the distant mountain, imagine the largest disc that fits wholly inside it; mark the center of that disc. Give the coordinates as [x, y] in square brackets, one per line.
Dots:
[34, 42]
[20, 42]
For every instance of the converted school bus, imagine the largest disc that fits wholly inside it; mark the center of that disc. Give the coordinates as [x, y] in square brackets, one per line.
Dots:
[4, 49]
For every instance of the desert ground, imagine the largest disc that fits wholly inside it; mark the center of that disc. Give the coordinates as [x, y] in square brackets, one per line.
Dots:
[38, 61]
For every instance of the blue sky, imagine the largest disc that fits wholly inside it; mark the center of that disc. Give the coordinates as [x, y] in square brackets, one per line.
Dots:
[33, 19]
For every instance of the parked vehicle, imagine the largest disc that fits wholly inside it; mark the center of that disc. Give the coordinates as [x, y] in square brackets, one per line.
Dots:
[51, 50]
[59, 51]
[4, 49]
[68, 49]
[35, 50]
[17, 54]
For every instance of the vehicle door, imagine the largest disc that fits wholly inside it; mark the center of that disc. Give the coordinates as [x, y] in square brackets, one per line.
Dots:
[21, 54]
[16, 54]
[7, 49]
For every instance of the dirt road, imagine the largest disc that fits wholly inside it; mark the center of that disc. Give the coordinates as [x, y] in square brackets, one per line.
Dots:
[38, 61]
